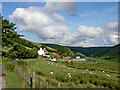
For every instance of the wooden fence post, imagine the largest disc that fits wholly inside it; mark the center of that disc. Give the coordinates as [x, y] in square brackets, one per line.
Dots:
[47, 84]
[23, 76]
[33, 79]
[58, 85]
[39, 79]
[28, 79]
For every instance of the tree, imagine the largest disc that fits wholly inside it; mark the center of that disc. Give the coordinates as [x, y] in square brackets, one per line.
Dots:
[9, 35]
[62, 49]
[13, 55]
[77, 53]
[19, 46]
[92, 56]
[43, 46]
[64, 54]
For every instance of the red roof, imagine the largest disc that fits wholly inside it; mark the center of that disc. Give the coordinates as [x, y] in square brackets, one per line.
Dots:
[58, 55]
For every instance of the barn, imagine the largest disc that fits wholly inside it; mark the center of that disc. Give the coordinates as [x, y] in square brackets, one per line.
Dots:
[54, 56]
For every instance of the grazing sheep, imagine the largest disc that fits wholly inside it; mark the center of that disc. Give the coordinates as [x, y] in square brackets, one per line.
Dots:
[51, 73]
[69, 75]
[108, 75]
[91, 73]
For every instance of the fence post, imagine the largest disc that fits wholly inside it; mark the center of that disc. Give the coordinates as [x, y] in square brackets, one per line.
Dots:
[47, 84]
[58, 85]
[20, 73]
[24, 76]
[39, 81]
[28, 79]
[33, 79]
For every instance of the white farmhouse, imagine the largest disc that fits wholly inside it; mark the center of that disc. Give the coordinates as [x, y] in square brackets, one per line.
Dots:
[41, 52]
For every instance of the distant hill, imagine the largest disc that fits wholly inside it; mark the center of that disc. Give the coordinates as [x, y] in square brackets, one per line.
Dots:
[97, 51]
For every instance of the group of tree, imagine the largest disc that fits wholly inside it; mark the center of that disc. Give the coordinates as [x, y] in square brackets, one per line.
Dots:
[20, 51]
[20, 48]
[64, 51]
[27, 43]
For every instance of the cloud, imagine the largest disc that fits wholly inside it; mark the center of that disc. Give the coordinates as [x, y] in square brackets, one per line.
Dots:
[114, 38]
[0, 6]
[83, 15]
[51, 7]
[31, 20]
[90, 32]
[73, 14]
[46, 25]
[70, 22]
[111, 33]
[84, 34]
[112, 27]
[58, 17]
[46, 28]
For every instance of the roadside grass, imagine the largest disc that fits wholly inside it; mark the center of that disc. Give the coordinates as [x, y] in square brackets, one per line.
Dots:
[0, 61]
[83, 74]
[13, 80]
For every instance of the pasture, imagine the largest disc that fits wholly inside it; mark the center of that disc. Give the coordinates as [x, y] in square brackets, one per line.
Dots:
[79, 75]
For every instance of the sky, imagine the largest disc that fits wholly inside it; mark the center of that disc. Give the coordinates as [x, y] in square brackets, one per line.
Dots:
[85, 24]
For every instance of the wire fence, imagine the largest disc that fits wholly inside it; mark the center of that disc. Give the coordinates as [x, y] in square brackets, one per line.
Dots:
[31, 78]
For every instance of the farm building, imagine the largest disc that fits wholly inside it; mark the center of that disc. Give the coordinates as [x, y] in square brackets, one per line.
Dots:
[91, 60]
[80, 57]
[54, 56]
[43, 52]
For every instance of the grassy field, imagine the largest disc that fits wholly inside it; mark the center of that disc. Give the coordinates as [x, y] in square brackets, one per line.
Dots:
[14, 81]
[104, 74]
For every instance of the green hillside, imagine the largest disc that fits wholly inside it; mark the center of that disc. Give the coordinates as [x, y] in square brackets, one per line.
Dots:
[88, 51]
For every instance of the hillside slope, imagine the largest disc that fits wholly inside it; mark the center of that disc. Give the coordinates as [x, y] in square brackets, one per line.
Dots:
[88, 51]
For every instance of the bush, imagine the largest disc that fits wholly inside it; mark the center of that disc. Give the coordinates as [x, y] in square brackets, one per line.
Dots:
[63, 49]
[64, 54]
[22, 63]
[83, 80]
[20, 51]
[13, 55]
[62, 78]
[51, 82]
[10, 66]
[91, 81]
[3, 53]
[40, 73]
[74, 79]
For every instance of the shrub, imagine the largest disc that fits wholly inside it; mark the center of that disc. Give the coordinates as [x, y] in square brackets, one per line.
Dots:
[64, 54]
[3, 53]
[62, 78]
[51, 82]
[74, 79]
[81, 82]
[63, 49]
[13, 55]
[40, 73]
[91, 81]
[10, 66]
[70, 85]
[22, 63]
